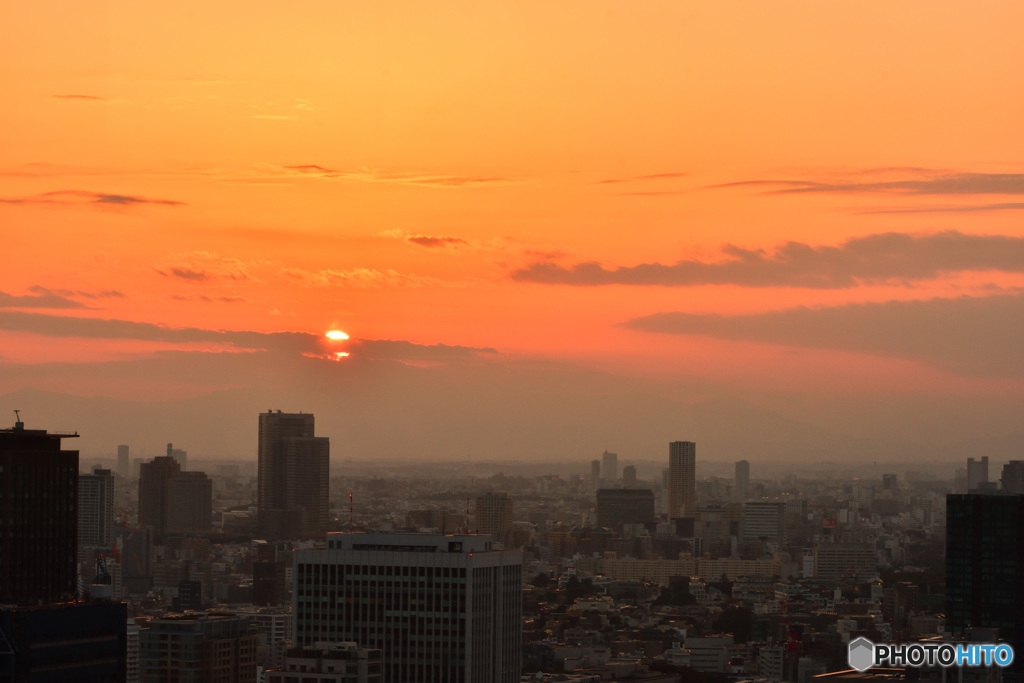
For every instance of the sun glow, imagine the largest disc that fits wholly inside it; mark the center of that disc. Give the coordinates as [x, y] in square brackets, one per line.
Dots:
[336, 334]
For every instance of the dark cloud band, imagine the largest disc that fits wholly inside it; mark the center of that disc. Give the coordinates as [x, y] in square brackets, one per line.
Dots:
[874, 258]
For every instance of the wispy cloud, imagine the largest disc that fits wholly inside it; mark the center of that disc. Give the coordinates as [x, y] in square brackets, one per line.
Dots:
[185, 274]
[209, 299]
[934, 183]
[642, 178]
[78, 197]
[372, 176]
[971, 335]
[43, 297]
[361, 278]
[874, 258]
[435, 242]
[976, 208]
[37, 300]
[202, 266]
[78, 97]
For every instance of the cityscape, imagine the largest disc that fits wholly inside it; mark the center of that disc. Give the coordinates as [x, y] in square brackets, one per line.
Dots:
[152, 570]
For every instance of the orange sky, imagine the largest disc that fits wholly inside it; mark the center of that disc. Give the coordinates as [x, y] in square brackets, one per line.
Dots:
[404, 170]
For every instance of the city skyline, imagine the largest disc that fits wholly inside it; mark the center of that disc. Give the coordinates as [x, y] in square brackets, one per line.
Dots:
[619, 210]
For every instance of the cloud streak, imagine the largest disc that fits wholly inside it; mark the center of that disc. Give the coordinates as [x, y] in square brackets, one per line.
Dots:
[364, 175]
[968, 335]
[643, 178]
[42, 297]
[934, 184]
[977, 208]
[871, 259]
[77, 197]
[434, 242]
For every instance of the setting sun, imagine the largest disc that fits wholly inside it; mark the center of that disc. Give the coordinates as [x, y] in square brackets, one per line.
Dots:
[336, 334]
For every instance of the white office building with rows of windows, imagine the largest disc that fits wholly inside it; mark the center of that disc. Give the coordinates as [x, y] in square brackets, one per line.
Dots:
[440, 608]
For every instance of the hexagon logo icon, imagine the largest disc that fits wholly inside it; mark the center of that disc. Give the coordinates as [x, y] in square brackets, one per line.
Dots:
[861, 654]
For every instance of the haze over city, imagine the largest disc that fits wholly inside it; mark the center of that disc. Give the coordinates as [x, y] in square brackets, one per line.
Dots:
[787, 231]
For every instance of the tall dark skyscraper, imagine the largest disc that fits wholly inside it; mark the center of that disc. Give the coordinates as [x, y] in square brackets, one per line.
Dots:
[682, 479]
[293, 476]
[985, 567]
[153, 499]
[38, 518]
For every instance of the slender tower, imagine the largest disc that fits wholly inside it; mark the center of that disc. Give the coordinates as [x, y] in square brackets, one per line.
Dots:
[682, 479]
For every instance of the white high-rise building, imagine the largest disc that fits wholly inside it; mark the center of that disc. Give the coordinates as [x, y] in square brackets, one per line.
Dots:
[439, 608]
[682, 479]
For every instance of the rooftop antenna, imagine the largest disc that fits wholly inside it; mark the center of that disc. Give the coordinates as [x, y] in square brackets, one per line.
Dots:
[351, 513]
[467, 515]
[18, 424]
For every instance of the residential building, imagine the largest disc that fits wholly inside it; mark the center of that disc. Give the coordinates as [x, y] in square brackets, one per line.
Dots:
[493, 514]
[96, 509]
[293, 477]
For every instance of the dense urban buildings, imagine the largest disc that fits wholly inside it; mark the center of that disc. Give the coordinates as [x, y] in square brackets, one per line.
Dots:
[293, 476]
[38, 518]
[439, 608]
[682, 479]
